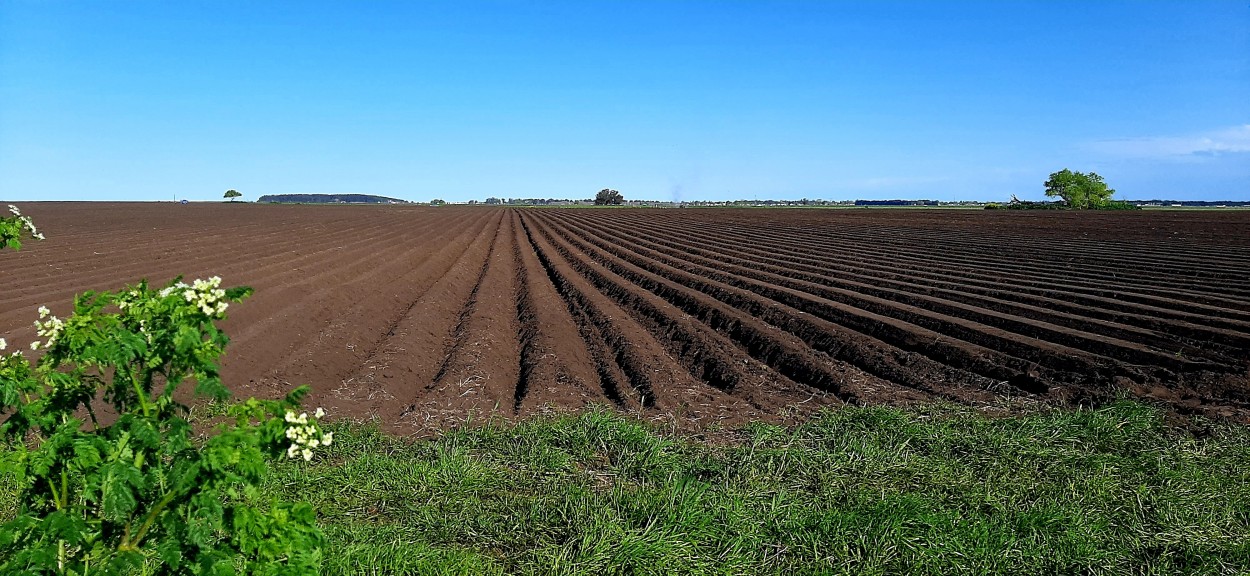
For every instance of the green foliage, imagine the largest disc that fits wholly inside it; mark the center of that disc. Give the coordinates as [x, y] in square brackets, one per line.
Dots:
[1018, 204]
[13, 227]
[1119, 205]
[608, 197]
[139, 493]
[232, 194]
[1082, 191]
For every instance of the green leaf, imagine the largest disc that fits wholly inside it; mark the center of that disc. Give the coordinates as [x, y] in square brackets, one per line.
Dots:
[118, 485]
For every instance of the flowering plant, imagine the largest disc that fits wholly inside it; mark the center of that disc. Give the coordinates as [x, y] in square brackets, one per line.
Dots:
[110, 478]
[12, 227]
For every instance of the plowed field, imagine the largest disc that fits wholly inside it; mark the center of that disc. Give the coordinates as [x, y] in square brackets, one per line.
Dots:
[426, 316]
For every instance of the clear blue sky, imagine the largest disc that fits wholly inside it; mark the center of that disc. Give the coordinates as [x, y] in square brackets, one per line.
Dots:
[152, 100]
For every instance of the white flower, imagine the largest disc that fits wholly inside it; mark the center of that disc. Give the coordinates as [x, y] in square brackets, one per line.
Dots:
[14, 210]
[3, 344]
[34, 345]
[307, 454]
[39, 237]
[43, 311]
[51, 328]
[292, 451]
[319, 413]
[327, 439]
[290, 417]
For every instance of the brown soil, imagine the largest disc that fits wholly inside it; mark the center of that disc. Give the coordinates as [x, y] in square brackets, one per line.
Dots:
[427, 317]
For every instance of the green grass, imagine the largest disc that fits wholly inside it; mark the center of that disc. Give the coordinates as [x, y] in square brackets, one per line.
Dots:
[930, 490]
[937, 490]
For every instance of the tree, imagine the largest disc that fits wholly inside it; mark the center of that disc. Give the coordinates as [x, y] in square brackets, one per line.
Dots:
[1078, 190]
[232, 194]
[608, 197]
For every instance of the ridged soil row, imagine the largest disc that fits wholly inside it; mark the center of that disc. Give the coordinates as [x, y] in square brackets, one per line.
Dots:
[903, 253]
[483, 365]
[625, 350]
[622, 350]
[1190, 328]
[556, 367]
[344, 340]
[1139, 261]
[205, 250]
[711, 340]
[278, 277]
[984, 350]
[780, 350]
[320, 277]
[876, 298]
[460, 334]
[905, 355]
[397, 362]
[1193, 341]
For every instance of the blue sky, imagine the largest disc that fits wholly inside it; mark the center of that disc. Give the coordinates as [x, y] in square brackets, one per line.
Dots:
[679, 99]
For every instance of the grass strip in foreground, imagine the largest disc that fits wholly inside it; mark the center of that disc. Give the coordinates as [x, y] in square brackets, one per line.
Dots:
[926, 490]
[932, 490]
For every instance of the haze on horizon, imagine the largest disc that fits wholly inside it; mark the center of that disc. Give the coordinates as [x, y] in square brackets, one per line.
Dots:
[691, 100]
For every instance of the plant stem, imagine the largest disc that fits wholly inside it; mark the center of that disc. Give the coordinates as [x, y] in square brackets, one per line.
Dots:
[130, 545]
[143, 403]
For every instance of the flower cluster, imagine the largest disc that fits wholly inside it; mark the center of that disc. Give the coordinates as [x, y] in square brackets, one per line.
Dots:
[50, 328]
[26, 222]
[206, 295]
[305, 436]
[127, 299]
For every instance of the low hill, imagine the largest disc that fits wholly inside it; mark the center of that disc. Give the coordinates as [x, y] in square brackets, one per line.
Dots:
[328, 199]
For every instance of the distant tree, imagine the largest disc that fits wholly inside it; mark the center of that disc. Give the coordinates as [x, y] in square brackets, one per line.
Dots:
[232, 194]
[1078, 190]
[494, 200]
[437, 202]
[608, 197]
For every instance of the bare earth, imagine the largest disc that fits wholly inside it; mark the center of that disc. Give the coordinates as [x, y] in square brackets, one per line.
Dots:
[424, 317]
